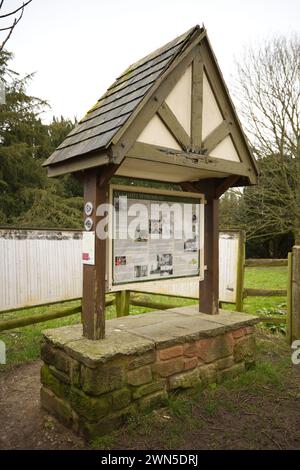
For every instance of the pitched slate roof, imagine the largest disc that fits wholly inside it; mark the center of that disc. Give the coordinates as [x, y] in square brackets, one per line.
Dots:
[96, 130]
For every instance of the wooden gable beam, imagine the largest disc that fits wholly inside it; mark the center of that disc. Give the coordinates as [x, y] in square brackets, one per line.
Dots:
[157, 154]
[197, 101]
[216, 137]
[174, 126]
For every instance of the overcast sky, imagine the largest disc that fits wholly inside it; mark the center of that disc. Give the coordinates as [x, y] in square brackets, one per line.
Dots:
[78, 47]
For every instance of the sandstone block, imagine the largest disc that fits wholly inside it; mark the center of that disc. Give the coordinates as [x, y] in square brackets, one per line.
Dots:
[56, 406]
[224, 363]
[62, 361]
[170, 367]
[47, 353]
[138, 361]
[249, 330]
[91, 408]
[190, 349]
[238, 333]
[190, 363]
[208, 373]
[74, 372]
[148, 388]
[107, 424]
[121, 398]
[61, 376]
[211, 349]
[169, 353]
[60, 389]
[102, 379]
[139, 376]
[184, 380]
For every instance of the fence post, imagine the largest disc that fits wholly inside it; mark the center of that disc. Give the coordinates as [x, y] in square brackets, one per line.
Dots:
[240, 273]
[122, 303]
[289, 300]
[295, 317]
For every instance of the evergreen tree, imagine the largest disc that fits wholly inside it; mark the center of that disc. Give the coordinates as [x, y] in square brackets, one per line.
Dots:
[28, 196]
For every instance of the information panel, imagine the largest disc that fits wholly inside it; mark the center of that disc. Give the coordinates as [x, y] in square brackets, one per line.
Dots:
[157, 234]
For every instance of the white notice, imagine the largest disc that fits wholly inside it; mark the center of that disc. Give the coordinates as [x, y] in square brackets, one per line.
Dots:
[88, 248]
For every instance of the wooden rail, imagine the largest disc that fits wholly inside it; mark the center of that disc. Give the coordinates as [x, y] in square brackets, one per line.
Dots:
[265, 292]
[265, 263]
[42, 317]
[144, 302]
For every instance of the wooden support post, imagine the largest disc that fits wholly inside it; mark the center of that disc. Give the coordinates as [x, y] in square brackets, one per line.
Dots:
[122, 303]
[240, 273]
[295, 320]
[289, 300]
[209, 287]
[93, 297]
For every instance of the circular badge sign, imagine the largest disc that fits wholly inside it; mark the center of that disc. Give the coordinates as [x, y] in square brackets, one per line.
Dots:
[88, 223]
[88, 208]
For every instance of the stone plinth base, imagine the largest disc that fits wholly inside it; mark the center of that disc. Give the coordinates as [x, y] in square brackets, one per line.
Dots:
[94, 386]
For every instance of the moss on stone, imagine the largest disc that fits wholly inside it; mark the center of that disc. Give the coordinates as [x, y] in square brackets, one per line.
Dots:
[59, 388]
[121, 398]
[47, 353]
[108, 424]
[61, 376]
[148, 388]
[91, 408]
[185, 380]
[208, 374]
[102, 379]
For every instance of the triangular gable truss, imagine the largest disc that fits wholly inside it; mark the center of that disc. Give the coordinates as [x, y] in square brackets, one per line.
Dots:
[194, 133]
[199, 148]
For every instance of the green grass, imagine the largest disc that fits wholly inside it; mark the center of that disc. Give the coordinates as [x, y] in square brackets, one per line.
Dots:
[23, 344]
[263, 278]
[266, 278]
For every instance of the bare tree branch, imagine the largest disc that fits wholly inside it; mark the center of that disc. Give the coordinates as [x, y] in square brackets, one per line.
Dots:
[15, 11]
[20, 11]
[268, 97]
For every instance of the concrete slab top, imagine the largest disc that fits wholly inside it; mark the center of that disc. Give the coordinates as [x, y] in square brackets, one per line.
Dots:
[138, 334]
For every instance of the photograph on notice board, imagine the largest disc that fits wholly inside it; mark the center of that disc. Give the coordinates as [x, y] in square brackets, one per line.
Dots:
[120, 260]
[141, 236]
[141, 271]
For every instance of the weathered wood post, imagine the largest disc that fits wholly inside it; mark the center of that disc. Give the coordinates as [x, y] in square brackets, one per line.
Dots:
[295, 320]
[122, 303]
[93, 299]
[240, 273]
[289, 300]
[209, 287]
